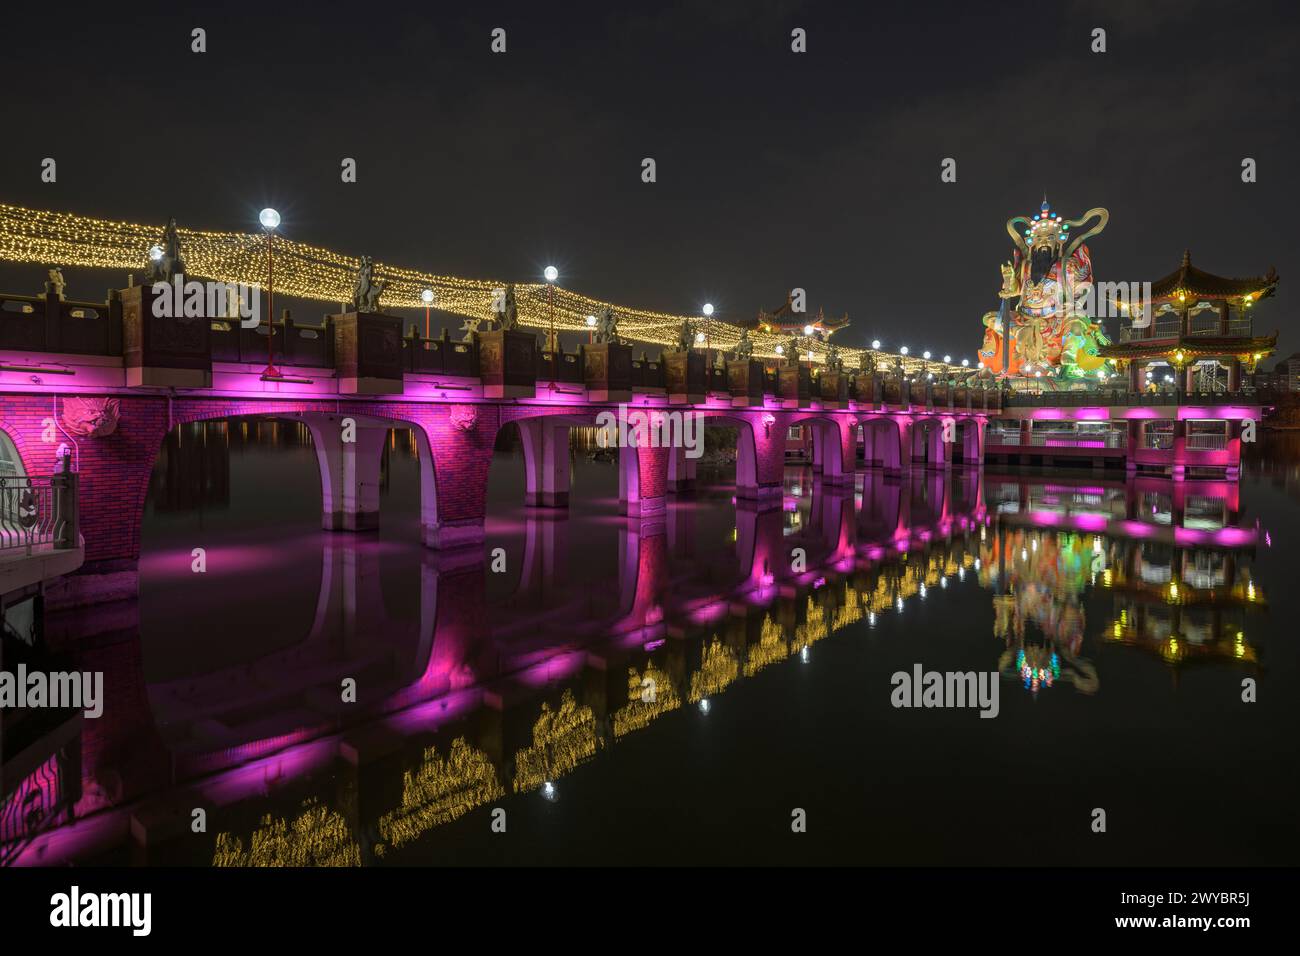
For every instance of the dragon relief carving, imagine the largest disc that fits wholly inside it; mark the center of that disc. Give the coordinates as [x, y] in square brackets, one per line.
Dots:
[464, 417]
[91, 417]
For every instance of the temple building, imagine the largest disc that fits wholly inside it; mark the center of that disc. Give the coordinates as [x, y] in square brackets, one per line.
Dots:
[787, 320]
[1198, 324]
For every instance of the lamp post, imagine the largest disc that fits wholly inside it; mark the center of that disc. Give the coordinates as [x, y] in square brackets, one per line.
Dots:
[591, 326]
[551, 274]
[270, 219]
[708, 328]
[427, 298]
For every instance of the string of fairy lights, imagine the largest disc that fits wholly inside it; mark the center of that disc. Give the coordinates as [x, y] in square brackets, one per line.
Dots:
[304, 271]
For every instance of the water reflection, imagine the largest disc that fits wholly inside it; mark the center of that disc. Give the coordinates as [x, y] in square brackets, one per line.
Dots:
[477, 685]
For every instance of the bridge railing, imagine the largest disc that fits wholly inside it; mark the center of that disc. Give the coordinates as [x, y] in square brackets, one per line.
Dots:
[308, 346]
[1123, 397]
[441, 356]
[48, 323]
[38, 511]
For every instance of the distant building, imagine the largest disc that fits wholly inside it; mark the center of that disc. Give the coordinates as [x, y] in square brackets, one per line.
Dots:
[1286, 374]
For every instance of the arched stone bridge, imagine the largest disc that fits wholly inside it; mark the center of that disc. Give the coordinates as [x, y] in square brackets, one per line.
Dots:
[107, 383]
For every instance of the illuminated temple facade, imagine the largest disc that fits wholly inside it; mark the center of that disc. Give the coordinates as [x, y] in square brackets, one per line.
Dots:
[1198, 324]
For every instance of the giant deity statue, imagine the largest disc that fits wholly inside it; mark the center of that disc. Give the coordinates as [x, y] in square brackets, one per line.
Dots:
[1043, 327]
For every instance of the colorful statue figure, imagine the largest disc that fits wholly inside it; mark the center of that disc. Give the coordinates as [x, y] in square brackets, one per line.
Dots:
[1043, 327]
[990, 352]
[1010, 284]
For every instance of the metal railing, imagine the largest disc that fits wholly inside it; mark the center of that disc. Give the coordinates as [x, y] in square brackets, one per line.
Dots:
[37, 511]
[1107, 439]
[1208, 442]
[1121, 397]
[1158, 441]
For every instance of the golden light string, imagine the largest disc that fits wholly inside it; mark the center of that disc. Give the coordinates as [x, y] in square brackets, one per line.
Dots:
[318, 274]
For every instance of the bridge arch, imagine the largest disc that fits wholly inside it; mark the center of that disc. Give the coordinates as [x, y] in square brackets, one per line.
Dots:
[11, 457]
[681, 468]
[882, 442]
[834, 440]
[928, 445]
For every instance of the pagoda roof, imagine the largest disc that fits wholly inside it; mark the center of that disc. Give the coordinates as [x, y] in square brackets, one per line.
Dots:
[1193, 346]
[785, 318]
[1197, 283]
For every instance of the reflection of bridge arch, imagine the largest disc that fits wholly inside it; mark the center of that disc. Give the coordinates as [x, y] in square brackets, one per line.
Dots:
[414, 673]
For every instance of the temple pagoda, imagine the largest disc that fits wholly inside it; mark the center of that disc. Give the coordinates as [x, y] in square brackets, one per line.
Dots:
[786, 320]
[1194, 320]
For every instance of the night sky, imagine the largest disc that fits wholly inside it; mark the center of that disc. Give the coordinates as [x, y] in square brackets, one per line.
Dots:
[775, 169]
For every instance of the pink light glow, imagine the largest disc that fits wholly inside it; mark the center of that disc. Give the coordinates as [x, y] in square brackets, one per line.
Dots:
[242, 753]
[1224, 537]
[432, 714]
[1229, 412]
[255, 778]
[1138, 529]
[554, 668]
[708, 613]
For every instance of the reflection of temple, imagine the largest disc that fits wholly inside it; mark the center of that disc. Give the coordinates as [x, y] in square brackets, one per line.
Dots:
[1038, 582]
[1173, 554]
[1189, 605]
